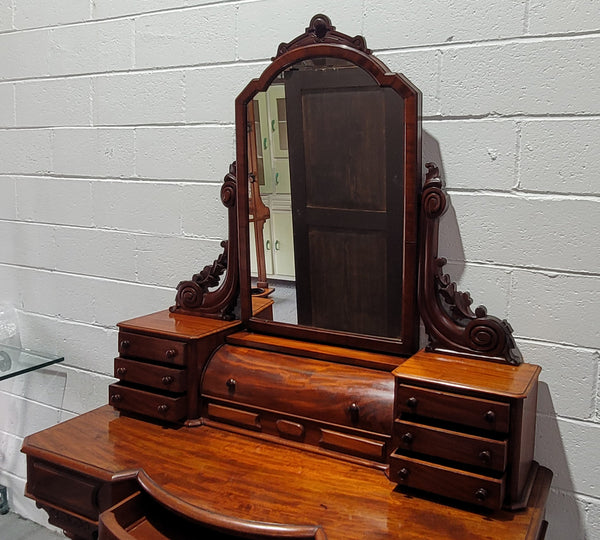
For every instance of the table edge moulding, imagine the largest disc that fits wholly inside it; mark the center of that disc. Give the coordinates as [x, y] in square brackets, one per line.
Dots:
[229, 420]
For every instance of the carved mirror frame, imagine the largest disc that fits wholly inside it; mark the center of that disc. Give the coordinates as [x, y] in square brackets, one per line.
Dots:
[322, 40]
[427, 292]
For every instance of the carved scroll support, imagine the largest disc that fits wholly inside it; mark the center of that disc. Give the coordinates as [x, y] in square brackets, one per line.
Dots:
[195, 297]
[450, 323]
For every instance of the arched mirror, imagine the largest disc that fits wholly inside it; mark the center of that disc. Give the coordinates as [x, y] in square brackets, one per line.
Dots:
[328, 157]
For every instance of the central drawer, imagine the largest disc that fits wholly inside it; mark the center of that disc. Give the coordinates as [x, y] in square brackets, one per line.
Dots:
[351, 396]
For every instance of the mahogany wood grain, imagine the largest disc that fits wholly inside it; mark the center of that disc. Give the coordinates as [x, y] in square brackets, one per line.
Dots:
[478, 413]
[215, 470]
[451, 445]
[470, 375]
[176, 325]
[320, 351]
[160, 377]
[303, 387]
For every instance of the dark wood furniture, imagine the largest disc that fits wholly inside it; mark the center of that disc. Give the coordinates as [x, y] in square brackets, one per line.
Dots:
[226, 423]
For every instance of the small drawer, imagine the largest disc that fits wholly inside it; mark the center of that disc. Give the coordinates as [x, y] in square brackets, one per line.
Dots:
[67, 489]
[164, 378]
[451, 445]
[151, 348]
[446, 481]
[474, 412]
[170, 408]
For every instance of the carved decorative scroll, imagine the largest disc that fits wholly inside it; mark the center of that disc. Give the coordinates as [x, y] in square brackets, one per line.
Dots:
[320, 30]
[194, 297]
[450, 323]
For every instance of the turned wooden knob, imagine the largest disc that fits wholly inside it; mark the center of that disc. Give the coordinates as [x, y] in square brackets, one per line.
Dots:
[125, 344]
[163, 408]
[408, 438]
[412, 402]
[481, 494]
[171, 353]
[489, 416]
[485, 456]
[115, 398]
[121, 371]
[403, 473]
[231, 382]
[167, 379]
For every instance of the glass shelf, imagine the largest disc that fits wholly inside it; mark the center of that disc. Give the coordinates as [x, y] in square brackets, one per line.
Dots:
[14, 361]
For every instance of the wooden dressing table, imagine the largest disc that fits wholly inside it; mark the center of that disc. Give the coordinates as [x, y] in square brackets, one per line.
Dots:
[231, 421]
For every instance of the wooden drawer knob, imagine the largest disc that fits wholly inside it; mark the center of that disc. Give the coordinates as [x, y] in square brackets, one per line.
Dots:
[485, 456]
[412, 402]
[354, 411]
[115, 398]
[167, 380]
[231, 384]
[163, 408]
[121, 371]
[408, 438]
[171, 353]
[481, 494]
[489, 416]
[403, 473]
[125, 344]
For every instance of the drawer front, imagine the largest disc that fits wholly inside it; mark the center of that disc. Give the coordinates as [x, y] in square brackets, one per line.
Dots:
[147, 403]
[451, 445]
[164, 378]
[468, 487]
[349, 396]
[474, 412]
[151, 348]
[64, 488]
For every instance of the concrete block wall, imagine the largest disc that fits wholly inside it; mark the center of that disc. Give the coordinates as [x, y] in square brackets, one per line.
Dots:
[116, 128]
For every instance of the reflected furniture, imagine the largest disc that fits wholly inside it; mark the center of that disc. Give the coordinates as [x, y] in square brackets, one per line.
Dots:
[229, 422]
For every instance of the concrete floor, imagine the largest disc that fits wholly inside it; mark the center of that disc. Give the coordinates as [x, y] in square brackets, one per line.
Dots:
[14, 527]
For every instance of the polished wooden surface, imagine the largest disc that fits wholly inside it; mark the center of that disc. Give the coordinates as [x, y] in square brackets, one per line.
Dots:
[470, 374]
[236, 475]
[331, 353]
[164, 323]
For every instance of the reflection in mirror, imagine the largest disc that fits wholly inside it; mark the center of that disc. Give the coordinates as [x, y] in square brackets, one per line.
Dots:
[326, 168]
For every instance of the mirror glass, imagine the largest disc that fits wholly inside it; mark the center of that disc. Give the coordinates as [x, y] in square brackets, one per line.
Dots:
[326, 184]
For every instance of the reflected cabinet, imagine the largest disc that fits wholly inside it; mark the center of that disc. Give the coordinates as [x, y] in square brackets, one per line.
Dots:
[283, 394]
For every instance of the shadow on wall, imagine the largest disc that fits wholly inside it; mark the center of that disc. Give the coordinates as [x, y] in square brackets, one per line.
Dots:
[453, 250]
[568, 520]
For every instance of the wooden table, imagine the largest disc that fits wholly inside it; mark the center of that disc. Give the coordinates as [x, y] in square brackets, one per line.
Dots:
[82, 467]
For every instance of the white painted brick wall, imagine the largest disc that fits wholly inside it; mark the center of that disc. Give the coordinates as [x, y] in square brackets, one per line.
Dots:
[117, 126]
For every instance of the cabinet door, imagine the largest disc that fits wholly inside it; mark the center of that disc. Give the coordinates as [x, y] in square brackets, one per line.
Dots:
[283, 243]
[263, 143]
[278, 120]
